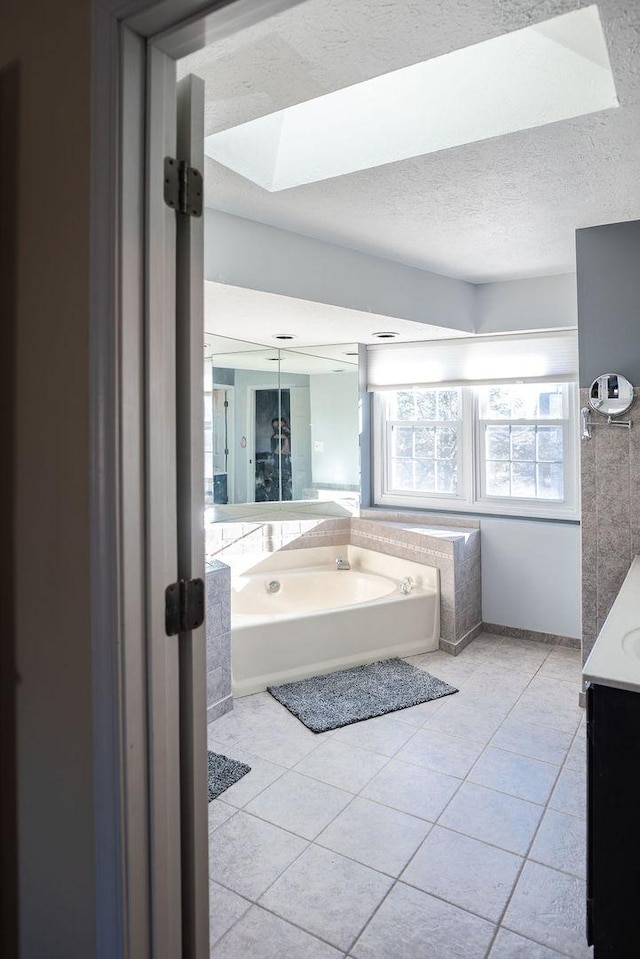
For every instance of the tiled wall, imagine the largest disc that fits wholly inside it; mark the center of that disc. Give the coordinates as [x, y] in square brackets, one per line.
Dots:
[236, 539]
[457, 558]
[610, 480]
[218, 624]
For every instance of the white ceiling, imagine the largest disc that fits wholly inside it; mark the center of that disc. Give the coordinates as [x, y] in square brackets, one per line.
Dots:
[498, 209]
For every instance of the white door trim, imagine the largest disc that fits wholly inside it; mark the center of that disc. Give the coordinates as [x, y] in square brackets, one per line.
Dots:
[122, 604]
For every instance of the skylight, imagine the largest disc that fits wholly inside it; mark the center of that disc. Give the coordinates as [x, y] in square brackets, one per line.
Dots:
[544, 73]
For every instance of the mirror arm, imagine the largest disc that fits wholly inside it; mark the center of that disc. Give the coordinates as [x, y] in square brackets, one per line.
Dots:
[587, 423]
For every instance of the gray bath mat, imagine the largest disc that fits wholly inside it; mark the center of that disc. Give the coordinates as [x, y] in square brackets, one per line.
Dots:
[223, 772]
[350, 695]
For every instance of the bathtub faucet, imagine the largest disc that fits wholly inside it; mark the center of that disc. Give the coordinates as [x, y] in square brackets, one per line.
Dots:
[406, 585]
[342, 563]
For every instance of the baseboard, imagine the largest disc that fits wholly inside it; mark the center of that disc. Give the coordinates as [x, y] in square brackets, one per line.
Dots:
[218, 709]
[453, 648]
[550, 639]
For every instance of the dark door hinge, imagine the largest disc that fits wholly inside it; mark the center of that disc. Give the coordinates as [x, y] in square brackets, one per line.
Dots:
[183, 606]
[182, 187]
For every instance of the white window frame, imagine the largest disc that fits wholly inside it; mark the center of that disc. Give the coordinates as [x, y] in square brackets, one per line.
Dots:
[471, 496]
[457, 425]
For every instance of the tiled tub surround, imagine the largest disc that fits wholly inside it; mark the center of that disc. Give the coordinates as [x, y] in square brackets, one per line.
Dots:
[446, 544]
[451, 546]
[218, 628]
[321, 619]
[452, 829]
[610, 480]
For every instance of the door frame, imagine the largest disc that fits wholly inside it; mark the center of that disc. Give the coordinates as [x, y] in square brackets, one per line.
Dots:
[124, 35]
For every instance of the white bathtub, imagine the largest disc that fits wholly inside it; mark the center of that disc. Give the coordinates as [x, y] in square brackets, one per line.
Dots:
[321, 619]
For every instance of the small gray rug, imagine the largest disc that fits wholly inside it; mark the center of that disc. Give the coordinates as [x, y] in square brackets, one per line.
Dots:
[351, 695]
[223, 772]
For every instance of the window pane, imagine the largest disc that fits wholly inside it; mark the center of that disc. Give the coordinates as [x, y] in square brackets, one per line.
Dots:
[523, 443]
[523, 479]
[523, 401]
[425, 442]
[550, 481]
[498, 479]
[426, 476]
[551, 403]
[429, 405]
[402, 441]
[498, 442]
[426, 405]
[448, 404]
[447, 476]
[447, 443]
[404, 405]
[402, 474]
[550, 443]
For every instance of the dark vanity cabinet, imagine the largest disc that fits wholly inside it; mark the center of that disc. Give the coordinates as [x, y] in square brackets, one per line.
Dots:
[613, 822]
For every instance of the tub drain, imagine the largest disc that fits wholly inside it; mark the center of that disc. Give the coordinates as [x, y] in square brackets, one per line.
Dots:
[273, 586]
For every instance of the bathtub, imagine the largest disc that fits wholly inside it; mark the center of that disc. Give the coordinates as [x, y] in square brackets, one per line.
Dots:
[320, 619]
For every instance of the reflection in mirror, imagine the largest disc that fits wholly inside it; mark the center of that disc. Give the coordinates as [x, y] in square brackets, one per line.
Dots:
[611, 394]
[280, 426]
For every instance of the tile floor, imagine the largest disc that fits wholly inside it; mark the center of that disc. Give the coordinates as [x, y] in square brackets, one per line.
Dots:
[451, 830]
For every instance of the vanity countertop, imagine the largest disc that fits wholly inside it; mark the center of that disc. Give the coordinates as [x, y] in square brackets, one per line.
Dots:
[615, 657]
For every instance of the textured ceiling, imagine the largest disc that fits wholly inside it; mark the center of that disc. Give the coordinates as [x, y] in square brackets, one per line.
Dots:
[499, 209]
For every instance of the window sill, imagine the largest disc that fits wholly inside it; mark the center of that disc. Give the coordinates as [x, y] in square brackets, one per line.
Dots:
[478, 510]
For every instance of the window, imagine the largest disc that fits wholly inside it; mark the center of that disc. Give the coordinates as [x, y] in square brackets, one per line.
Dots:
[423, 440]
[505, 449]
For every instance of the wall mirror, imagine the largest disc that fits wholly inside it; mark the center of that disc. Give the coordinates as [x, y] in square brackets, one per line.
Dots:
[611, 394]
[281, 426]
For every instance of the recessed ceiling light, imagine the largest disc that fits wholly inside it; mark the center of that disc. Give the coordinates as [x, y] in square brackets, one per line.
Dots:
[386, 335]
[544, 73]
[283, 336]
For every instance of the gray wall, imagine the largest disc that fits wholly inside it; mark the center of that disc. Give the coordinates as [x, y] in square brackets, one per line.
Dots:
[608, 271]
[610, 467]
[334, 423]
[608, 259]
[241, 252]
[541, 302]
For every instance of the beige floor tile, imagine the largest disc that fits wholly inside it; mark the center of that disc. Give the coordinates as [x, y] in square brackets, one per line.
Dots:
[570, 793]
[225, 908]
[261, 935]
[516, 775]
[328, 895]
[412, 789]
[341, 765]
[508, 945]
[411, 924]
[247, 854]
[375, 835]
[561, 842]
[537, 742]
[300, 804]
[549, 907]
[465, 872]
[493, 817]
[437, 750]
